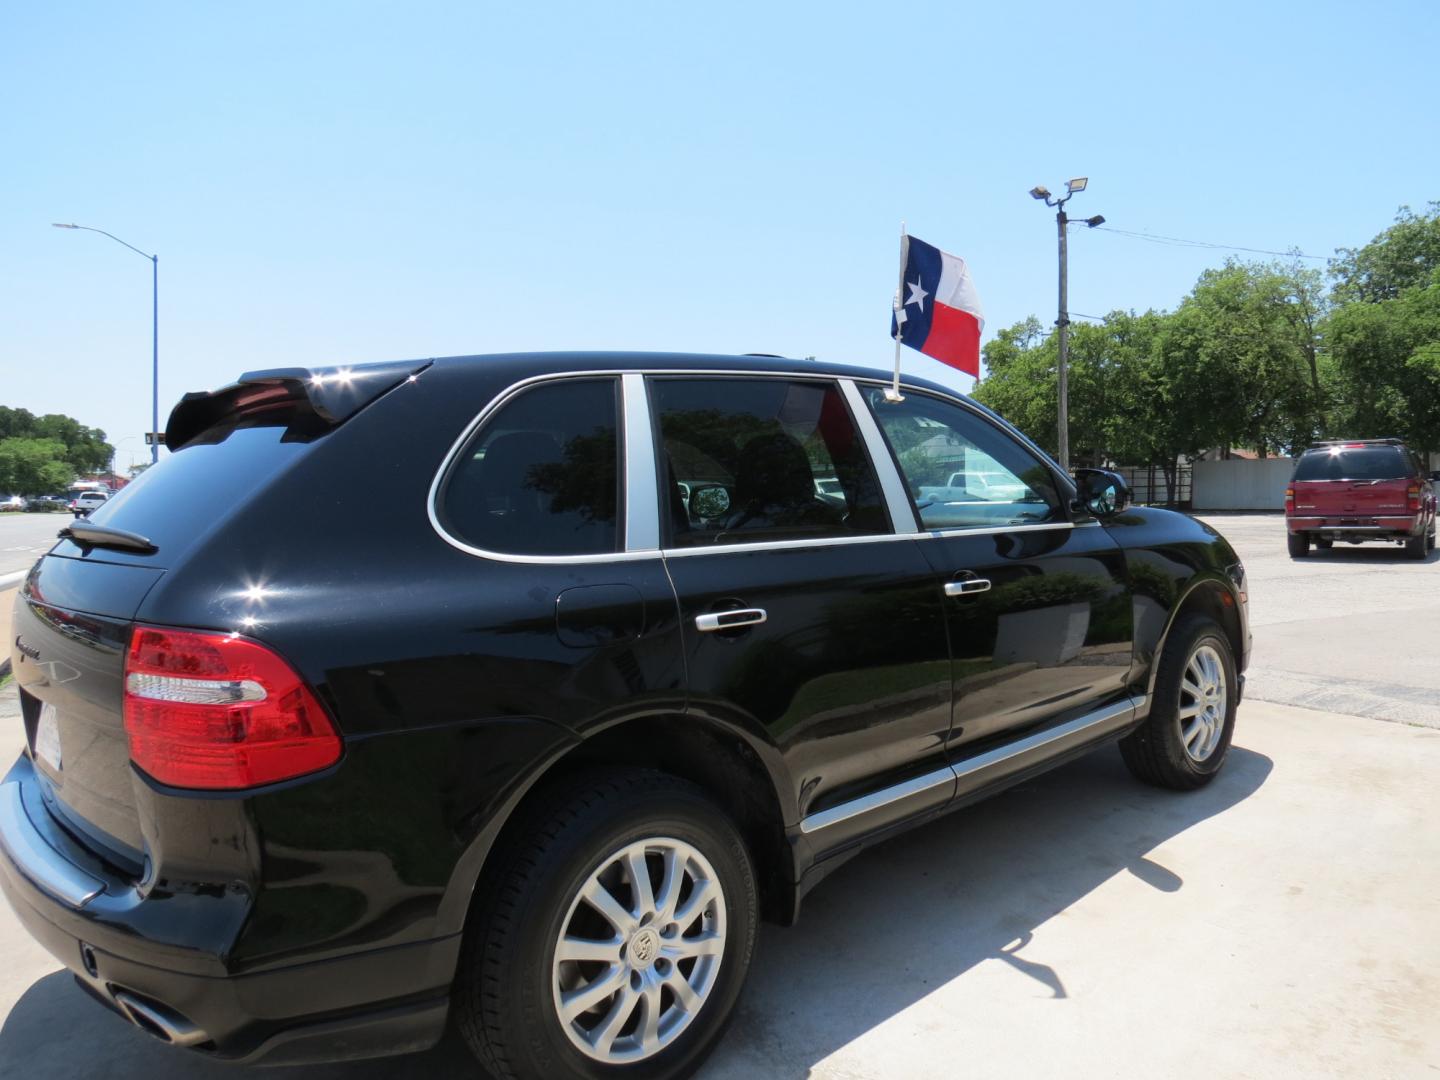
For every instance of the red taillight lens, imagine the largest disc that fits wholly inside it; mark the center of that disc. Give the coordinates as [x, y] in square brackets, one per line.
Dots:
[1289, 500]
[1412, 498]
[220, 712]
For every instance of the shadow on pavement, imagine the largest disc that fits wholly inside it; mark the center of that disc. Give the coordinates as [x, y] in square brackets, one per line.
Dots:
[1368, 553]
[880, 934]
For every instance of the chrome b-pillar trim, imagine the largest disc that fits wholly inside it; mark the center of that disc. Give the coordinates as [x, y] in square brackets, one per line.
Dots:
[642, 507]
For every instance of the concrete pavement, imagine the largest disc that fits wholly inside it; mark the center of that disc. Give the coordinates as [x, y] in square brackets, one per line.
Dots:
[1279, 923]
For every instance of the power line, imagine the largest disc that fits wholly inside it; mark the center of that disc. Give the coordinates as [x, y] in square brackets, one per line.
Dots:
[1176, 241]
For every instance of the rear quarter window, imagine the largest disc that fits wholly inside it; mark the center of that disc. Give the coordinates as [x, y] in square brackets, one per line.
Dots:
[541, 476]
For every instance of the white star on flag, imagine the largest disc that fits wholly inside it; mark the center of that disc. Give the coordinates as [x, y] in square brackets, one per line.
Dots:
[917, 294]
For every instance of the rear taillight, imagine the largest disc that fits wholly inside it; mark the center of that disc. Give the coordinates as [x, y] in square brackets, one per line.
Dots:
[1289, 499]
[1412, 498]
[220, 712]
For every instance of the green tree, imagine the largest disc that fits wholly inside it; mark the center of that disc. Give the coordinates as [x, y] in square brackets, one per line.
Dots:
[33, 466]
[1402, 257]
[83, 447]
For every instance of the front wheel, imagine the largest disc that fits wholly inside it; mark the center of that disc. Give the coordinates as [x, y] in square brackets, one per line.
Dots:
[1183, 742]
[1298, 543]
[615, 937]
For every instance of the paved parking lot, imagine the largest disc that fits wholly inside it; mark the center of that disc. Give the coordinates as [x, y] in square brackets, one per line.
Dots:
[1279, 923]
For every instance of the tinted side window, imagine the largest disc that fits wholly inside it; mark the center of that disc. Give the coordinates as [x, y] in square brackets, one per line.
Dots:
[541, 476]
[1356, 463]
[961, 471]
[747, 460]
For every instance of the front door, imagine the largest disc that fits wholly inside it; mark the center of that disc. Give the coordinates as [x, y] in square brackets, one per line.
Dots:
[1038, 603]
[802, 612]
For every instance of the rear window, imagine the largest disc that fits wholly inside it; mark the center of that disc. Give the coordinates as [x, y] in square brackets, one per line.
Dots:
[178, 500]
[1355, 463]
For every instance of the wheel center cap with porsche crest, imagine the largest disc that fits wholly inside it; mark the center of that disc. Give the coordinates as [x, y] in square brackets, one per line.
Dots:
[644, 947]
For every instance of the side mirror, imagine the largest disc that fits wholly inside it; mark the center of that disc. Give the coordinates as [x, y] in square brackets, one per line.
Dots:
[1101, 492]
[708, 501]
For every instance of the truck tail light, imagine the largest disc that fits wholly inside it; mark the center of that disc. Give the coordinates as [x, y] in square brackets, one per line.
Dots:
[1289, 499]
[220, 712]
[1412, 498]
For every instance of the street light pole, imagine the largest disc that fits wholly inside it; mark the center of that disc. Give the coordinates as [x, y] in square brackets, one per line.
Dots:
[154, 332]
[1063, 321]
[1062, 424]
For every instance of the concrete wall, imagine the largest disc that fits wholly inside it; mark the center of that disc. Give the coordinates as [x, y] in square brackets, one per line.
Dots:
[1241, 485]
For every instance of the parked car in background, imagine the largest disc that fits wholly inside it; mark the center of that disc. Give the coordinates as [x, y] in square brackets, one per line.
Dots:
[87, 502]
[1360, 490]
[47, 503]
[534, 743]
[11, 503]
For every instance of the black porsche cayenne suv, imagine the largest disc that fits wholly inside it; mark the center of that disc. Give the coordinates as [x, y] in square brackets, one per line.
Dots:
[513, 691]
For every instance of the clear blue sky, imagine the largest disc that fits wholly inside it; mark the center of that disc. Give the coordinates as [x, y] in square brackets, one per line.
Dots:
[343, 182]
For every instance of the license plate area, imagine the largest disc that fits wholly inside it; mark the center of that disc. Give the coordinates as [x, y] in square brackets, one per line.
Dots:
[46, 745]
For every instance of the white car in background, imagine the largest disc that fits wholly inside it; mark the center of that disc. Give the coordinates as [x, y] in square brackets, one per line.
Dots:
[87, 501]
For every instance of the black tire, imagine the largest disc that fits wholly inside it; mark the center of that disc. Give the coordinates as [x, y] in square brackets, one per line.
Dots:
[503, 1000]
[1298, 543]
[1155, 752]
[1322, 544]
[1417, 547]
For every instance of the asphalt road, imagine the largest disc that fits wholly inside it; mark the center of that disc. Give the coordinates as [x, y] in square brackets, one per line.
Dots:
[1278, 923]
[24, 538]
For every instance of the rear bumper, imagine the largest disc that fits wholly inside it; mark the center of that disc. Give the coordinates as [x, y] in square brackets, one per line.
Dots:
[364, 1004]
[1379, 528]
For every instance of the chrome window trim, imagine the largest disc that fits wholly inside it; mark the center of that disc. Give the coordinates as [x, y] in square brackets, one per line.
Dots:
[641, 497]
[892, 485]
[632, 553]
[485, 414]
[38, 863]
[1111, 717]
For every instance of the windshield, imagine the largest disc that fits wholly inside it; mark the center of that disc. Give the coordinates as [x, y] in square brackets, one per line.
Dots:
[1354, 463]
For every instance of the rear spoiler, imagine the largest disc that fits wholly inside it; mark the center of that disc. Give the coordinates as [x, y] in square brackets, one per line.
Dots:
[328, 395]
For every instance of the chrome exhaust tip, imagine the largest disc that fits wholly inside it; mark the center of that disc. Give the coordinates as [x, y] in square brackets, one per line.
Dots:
[164, 1024]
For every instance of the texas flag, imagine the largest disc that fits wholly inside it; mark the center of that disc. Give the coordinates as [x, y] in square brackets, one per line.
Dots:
[939, 312]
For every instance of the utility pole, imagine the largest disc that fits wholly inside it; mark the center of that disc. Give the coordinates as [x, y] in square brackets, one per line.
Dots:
[1062, 441]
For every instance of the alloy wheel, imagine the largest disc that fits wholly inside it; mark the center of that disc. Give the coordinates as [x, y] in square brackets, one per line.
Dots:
[639, 950]
[1203, 703]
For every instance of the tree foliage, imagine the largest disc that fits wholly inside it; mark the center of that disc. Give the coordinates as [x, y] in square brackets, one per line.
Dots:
[33, 466]
[1258, 355]
[83, 448]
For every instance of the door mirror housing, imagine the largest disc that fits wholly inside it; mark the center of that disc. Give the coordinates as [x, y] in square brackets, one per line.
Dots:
[1101, 492]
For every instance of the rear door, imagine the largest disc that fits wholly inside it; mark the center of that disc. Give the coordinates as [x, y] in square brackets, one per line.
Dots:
[804, 614]
[1038, 605]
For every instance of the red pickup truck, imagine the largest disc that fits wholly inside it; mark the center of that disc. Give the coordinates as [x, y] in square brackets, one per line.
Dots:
[1372, 489]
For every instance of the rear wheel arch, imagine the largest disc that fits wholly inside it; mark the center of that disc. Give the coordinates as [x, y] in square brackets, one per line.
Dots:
[720, 761]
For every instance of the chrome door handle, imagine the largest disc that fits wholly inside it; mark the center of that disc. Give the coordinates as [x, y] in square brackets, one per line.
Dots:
[730, 620]
[967, 586]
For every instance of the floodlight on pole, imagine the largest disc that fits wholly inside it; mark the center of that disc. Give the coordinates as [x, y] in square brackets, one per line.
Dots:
[1062, 424]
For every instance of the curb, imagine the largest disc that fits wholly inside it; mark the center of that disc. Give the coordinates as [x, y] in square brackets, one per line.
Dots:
[9, 581]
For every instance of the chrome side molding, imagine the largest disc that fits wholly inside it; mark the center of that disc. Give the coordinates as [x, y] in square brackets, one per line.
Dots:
[993, 764]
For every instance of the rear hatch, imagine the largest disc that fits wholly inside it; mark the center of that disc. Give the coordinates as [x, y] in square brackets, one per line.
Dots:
[1352, 485]
[76, 612]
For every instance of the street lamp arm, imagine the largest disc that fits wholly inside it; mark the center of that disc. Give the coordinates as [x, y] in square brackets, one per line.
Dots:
[112, 236]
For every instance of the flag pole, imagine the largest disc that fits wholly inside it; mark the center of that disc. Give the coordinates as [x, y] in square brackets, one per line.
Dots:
[898, 306]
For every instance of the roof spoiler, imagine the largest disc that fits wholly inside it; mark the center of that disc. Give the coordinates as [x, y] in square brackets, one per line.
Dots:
[330, 395]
